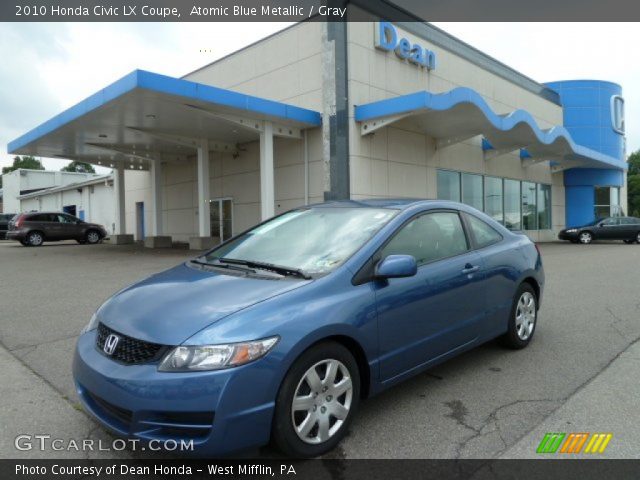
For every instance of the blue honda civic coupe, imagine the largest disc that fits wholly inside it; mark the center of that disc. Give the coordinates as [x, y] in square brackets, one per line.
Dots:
[280, 332]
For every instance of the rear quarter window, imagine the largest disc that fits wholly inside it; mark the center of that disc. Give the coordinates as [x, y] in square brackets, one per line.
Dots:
[483, 233]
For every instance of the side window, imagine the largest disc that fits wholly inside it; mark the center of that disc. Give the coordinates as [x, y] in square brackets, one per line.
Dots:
[65, 219]
[609, 221]
[42, 217]
[429, 237]
[483, 233]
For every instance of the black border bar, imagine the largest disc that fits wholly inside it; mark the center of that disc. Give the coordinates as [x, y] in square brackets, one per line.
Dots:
[335, 469]
[316, 10]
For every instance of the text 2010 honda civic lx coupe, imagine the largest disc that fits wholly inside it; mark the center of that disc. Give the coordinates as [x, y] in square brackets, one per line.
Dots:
[278, 333]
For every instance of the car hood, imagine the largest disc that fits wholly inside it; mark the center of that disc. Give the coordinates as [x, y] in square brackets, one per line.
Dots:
[173, 305]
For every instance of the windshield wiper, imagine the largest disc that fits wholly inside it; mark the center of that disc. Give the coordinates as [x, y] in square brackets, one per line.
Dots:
[287, 271]
[199, 261]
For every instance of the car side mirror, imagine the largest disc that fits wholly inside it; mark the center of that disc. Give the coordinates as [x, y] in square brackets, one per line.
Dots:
[396, 266]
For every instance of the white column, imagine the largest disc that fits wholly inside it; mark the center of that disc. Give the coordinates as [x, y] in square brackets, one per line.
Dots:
[118, 191]
[267, 189]
[156, 198]
[204, 195]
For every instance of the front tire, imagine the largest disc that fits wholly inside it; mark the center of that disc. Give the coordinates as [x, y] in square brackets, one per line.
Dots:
[585, 238]
[522, 319]
[35, 239]
[317, 401]
[92, 237]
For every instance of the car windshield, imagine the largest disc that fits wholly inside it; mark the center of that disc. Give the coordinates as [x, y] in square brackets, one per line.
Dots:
[594, 222]
[313, 240]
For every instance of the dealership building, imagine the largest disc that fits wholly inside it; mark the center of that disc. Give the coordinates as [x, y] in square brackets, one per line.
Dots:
[331, 111]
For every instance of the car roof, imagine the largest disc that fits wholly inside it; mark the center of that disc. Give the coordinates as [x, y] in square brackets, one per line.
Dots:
[55, 213]
[391, 203]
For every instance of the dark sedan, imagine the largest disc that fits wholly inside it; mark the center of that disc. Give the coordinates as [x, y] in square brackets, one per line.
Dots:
[626, 229]
[4, 223]
[33, 228]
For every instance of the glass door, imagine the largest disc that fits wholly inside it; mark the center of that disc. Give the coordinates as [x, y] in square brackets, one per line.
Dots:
[222, 218]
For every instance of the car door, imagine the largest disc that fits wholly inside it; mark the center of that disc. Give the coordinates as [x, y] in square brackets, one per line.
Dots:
[630, 227]
[607, 229]
[50, 225]
[436, 311]
[68, 227]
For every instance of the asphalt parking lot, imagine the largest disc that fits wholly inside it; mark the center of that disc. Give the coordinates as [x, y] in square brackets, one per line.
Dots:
[476, 406]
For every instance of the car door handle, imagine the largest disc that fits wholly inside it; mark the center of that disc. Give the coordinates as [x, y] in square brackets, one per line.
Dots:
[468, 268]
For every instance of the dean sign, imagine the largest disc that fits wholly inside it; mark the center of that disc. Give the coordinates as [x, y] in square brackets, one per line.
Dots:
[386, 38]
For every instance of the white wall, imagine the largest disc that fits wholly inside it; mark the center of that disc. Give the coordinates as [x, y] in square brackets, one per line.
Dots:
[285, 67]
[232, 177]
[24, 179]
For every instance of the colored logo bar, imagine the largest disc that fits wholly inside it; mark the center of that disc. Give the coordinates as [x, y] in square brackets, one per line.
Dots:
[574, 442]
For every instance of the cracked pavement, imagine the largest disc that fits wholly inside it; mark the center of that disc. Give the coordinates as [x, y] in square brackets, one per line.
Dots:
[487, 403]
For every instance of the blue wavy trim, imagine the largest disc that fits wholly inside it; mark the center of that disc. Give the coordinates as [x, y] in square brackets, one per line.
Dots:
[420, 101]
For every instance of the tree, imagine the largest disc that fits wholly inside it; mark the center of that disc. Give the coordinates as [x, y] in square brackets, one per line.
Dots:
[633, 195]
[26, 161]
[80, 167]
[633, 184]
[634, 163]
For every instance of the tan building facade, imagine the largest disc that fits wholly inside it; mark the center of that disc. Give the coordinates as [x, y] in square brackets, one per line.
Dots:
[307, 115]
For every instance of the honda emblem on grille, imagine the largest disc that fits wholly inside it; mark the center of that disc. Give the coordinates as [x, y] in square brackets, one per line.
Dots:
[110, 344]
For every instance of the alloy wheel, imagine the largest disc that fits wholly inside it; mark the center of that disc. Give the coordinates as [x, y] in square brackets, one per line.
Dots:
[322, 401]
[35, 239]
[638, 237]
[93, 237]
[525, 315]
[585, 237]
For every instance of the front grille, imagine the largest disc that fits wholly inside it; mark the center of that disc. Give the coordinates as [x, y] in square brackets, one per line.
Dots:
[122, 414]
[129, 351]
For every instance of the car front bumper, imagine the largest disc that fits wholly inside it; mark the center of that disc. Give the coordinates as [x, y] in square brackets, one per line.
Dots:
[568, 236]
[221, 412]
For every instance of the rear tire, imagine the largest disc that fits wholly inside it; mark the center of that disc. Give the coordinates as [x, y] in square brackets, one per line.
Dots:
[325, 384]
[638, 238]
[35, 239]
[522, 318]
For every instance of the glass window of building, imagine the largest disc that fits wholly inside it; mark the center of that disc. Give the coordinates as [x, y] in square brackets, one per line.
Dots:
[448, 185]
[472, 190]
[544, 207]
[529, 210]
[512, 219]
[607, 202]
[493, 198]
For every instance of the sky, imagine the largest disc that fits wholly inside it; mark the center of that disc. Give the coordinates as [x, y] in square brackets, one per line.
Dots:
[48, 67]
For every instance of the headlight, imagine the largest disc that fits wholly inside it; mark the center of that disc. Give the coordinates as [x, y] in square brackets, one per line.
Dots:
[92, 325]
[215, 357]
[571, 230]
